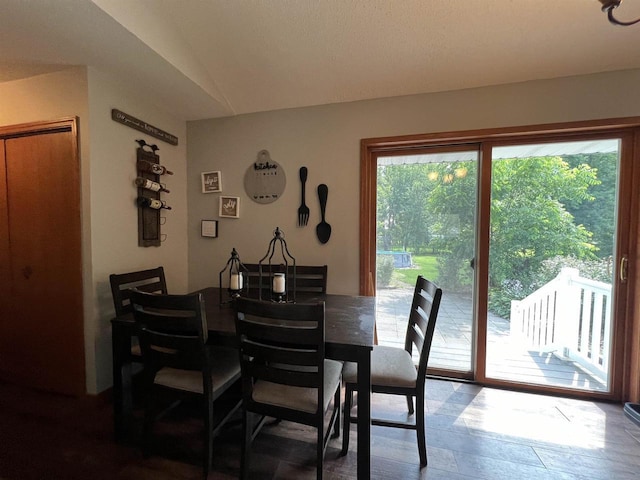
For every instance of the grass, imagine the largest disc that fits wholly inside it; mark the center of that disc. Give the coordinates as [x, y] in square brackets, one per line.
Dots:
[425, 265]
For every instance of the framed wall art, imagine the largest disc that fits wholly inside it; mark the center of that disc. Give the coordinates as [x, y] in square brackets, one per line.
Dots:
[209, 228]
[211, 182]
[230, 207]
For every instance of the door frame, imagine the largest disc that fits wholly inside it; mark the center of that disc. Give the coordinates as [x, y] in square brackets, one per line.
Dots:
[625, 374]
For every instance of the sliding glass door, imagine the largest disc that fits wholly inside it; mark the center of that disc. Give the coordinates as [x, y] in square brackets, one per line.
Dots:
[551, 263]
[528, 236]
[426, 219]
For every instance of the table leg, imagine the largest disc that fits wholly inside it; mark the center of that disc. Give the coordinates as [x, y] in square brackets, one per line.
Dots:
[364, 415]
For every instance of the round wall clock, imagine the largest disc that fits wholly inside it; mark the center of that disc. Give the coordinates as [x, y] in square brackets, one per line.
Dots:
[264, 180]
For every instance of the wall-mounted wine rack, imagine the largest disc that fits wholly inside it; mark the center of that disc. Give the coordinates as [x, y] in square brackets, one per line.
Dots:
[149, 203]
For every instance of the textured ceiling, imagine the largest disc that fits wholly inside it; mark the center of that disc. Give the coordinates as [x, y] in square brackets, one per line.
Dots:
[212, 58]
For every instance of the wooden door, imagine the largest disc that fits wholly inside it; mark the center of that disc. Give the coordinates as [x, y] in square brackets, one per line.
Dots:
[43, 340]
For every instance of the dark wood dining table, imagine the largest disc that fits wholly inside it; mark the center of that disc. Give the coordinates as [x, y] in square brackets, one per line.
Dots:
[349, 336]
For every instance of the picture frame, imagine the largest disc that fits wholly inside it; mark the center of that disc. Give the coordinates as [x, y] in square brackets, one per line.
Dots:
[209, 228]
[229, 207]
[211, 182]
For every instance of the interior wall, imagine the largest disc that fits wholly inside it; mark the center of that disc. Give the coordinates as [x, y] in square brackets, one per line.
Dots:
[326, 139]
[49, 97]
[114, 215]
[109, 215]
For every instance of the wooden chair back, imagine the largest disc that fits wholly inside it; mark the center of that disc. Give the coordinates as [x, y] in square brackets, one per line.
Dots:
[151, 280]
[172, 331]
[281, 343]
[253, 274]
[422, 322]
[309, 278]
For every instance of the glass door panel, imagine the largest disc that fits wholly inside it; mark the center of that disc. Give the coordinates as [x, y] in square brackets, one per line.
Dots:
[426, 225]
[551, 263]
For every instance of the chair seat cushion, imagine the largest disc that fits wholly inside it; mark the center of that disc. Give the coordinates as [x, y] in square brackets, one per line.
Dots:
[225, 367]
[300, 398]
[390, 366]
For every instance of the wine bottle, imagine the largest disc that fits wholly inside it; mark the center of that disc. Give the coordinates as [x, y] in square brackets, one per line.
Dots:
[156, 168]
[150, 185]
[152, 203]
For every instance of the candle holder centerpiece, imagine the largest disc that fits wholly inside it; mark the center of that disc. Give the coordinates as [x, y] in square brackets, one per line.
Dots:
[278, 279]
[237, 279]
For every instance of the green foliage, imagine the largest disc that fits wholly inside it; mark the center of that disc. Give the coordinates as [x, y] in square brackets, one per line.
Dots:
[597, 216]
[500, 298]
[425, 265]
[600, 269]
[529, 222]
[542, 208]
[402, 218]
[384, 270]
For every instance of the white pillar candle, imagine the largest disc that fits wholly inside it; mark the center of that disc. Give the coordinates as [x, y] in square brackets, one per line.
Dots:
[278, 283]
[236, 281]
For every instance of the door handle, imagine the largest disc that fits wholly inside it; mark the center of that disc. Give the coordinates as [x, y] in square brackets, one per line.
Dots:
[624, 268]
[27, 272]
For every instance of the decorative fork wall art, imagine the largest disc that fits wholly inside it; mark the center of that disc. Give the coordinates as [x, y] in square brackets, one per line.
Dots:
[303, 210]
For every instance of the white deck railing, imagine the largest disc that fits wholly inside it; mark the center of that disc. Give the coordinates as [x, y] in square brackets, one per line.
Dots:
[569, 316]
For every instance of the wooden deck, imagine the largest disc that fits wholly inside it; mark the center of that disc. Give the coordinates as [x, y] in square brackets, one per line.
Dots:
[452, 344]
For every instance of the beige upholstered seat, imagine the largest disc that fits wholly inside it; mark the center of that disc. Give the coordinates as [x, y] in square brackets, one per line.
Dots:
[390, 366]
[393, 370]
[300, 398]
[226, 370]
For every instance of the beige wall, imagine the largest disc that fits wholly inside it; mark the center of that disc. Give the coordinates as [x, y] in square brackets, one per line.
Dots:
[326, 140]
[109, 217]
[114, 217]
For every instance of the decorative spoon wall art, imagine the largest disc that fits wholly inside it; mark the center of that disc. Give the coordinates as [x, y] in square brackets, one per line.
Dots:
[323, 229]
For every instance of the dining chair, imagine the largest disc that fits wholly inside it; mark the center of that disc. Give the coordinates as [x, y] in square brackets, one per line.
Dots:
[309, 278]
[285, 374]
[178, 362]
[151, 280]
[253, 277]
[393, 370]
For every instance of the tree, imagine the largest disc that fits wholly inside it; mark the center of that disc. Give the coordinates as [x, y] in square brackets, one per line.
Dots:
[453, 205]
[529, 221]
[532, 200]
[598, 216]
[402, 216]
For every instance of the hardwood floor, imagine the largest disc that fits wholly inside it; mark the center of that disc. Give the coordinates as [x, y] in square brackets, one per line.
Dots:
[472, 433]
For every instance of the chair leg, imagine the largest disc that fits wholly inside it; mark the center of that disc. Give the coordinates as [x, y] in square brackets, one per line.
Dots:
[208, 435]
[410, 404]
[245, 455]
[149, 417]
[320, 449]
[348, 400]
[336, 401]
[420, 429]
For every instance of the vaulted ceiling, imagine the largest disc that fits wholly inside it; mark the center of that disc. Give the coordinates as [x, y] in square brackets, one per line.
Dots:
[216, 58]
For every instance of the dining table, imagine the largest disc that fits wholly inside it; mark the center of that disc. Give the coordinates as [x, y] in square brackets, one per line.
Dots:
[349, 336]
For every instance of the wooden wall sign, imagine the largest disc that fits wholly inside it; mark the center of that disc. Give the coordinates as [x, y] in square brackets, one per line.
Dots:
[141, 126]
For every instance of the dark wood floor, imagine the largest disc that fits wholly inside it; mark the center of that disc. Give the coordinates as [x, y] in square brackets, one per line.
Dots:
[473, 433]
